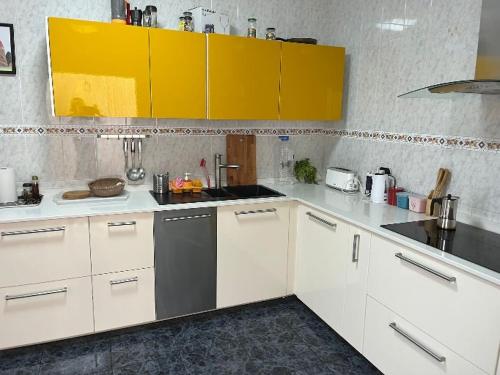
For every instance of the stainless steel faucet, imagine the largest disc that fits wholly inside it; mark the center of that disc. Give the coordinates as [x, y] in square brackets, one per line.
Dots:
[218, 170]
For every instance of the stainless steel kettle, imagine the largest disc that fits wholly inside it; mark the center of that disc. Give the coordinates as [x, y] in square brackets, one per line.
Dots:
[448, 213]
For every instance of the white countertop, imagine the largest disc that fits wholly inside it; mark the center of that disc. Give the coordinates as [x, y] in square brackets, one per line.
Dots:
[358, 210]
[140, 200]
[355, 209]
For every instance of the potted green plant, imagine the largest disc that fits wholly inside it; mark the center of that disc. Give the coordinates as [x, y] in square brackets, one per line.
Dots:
[305, 172]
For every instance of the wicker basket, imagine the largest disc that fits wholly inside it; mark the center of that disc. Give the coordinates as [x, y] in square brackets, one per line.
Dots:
[107, 187]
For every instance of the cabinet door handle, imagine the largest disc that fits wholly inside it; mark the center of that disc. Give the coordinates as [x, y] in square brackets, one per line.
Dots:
[166, 220]
[33, 231]
[124, 281]
[252, 212]
[414, 341]
[450, 279]
[122, 224]
[355, 248]
[36, 294]
[321, 220]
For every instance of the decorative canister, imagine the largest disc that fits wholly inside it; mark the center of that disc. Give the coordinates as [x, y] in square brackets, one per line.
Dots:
[402, 199]
[417, 203]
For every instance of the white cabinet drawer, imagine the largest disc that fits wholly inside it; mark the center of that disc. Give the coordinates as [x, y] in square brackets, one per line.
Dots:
[252, 253]
[39, 251]
[123, 299]
[397, 347]
[44, 312]
[462, 314]
[121, 242]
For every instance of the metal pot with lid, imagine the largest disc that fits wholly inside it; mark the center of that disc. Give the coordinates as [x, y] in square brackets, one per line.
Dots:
[448, 213]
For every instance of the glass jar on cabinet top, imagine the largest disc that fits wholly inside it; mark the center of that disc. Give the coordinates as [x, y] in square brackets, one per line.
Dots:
[188, 22]
[271, 33]
[181, 24]
[252, 28]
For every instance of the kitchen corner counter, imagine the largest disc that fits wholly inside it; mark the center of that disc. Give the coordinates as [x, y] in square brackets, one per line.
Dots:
[358, 210]
[352, 208]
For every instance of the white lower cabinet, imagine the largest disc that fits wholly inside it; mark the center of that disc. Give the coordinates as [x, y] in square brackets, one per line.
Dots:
[44, 312]
[331, 271]
[454, 307]
[38, 251]
[321, 264]
[121, 242]
[397, 347]
[353, 313]
[252, 250]
[123, 299]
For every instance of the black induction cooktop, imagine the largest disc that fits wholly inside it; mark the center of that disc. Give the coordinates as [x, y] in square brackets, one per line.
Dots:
[476, 245]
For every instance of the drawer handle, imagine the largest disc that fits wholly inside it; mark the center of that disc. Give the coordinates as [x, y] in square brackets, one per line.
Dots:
[253, 212]
[33, 231]
[450, 279]
[124, 281]
[122, 224]
[36, 294]
[321, 220]
[166, 220]
[355, 248]
[403, 333]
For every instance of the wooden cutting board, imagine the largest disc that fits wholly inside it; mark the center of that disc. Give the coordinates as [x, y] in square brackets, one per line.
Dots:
[241, 149]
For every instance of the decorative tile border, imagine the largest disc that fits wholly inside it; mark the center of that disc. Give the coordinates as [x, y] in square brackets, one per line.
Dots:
[453, 142]
[72, 130]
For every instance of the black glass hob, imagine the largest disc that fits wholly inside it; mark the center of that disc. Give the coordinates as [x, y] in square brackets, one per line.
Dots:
[476, 245]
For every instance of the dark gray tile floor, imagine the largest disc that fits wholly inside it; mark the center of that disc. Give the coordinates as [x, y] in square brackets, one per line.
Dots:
[277, 337]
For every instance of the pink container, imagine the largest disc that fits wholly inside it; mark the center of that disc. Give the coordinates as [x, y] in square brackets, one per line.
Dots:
[418, 203]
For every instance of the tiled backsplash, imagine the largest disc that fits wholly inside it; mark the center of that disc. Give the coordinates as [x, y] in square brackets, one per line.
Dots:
[62, 161]
[395, 46]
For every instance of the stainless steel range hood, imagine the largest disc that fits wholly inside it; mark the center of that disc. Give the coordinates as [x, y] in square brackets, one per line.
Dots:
[487, 78]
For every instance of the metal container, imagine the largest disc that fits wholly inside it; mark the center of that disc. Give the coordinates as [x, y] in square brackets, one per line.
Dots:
[161, 183]
[150, 16]
[136, 15]
[118, 11]
[448, 213]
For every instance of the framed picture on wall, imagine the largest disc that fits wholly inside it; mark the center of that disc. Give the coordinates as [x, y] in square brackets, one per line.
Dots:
[7, 51]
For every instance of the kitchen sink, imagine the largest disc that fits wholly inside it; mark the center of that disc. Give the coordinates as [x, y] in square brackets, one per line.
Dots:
[252, 191]
[210, 195]
[219, 193]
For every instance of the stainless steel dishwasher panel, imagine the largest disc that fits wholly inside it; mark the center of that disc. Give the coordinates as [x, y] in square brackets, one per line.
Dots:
[185, 261]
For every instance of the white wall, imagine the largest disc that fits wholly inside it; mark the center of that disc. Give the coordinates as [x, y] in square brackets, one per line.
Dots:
[395, 46]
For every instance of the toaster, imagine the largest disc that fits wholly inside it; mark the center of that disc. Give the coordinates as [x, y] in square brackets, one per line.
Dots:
[342, 179]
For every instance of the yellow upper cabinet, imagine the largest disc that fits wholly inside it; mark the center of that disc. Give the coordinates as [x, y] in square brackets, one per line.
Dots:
[178, 74]
[312, 81]
[243, 78]
[99, 69]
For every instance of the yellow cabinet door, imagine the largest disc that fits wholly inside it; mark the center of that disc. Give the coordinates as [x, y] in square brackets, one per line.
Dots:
[243, 78]
[178, 74]
[99, 69]
[312, 81]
